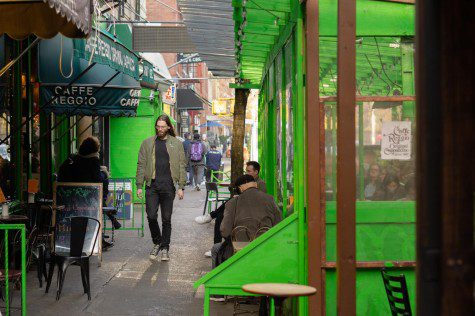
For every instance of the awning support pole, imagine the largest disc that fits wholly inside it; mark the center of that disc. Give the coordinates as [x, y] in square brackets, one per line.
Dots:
[13, 62]
[78, 106]
[3, 141]
[69, 129]
[92, 123]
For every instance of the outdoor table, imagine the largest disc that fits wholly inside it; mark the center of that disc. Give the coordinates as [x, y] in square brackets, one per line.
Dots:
[278, 291]
[14, 219]
[224, 184]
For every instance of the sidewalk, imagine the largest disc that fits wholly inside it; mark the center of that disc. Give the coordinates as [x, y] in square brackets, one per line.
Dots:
[128, 283]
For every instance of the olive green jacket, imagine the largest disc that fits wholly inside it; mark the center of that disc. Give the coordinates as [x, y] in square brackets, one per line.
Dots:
[146, 162]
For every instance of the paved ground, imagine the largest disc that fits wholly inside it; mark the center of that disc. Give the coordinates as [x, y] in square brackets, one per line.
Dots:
[128, 283]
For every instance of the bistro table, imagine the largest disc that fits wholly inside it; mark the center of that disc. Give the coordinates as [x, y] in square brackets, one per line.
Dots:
[14, 219]
[278, 291]
[224, 184]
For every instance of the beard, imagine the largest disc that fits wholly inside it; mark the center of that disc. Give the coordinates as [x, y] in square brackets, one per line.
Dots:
[161, 134]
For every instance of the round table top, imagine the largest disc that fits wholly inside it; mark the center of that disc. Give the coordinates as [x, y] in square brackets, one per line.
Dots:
[279, 289]
[224, 184]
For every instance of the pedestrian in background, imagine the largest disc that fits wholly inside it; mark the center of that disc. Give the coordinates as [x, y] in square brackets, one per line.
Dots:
[189, 171]
[213, 162]
[196, 155]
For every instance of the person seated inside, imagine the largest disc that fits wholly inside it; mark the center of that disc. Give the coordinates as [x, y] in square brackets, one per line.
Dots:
[391, 190]
[373, 183]
[213, 163]
[252, 209]
[253, 168]
[85, 167]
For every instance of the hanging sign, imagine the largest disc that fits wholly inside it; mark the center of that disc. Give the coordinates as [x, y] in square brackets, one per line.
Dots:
[87, 100]
[187, 58]
[170, 96]
[397, 141]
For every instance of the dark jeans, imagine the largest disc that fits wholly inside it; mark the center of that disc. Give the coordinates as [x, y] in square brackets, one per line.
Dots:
[160, 195]
[218, 215]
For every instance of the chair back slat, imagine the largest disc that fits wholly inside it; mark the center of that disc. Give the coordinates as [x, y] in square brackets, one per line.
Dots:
[211, 186]
[78, 235]
[396, 291]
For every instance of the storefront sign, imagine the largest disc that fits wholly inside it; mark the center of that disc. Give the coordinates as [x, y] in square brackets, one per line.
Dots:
[88, 100]
[147, 72]
[397, 141]
[223, 106]
[170, 96]
[107, 52]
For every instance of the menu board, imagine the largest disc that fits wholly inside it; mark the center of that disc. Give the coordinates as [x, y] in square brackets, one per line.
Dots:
[77, 199]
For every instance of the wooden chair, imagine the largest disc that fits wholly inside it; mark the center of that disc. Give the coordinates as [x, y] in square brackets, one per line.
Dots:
[396, 291]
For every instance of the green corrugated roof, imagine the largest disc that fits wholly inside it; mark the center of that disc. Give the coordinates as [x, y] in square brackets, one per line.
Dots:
[260, 23]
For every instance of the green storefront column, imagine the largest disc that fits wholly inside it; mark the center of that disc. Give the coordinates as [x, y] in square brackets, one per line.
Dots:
[407, 64]
[127, 133]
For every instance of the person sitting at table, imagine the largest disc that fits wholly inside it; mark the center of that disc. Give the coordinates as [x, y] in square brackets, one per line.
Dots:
[253, 168]
[252, 209]
[85, 167]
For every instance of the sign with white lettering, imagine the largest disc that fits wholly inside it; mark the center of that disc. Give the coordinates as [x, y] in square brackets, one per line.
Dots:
[106, 51]
[397, 141]
[188, 58]
[121, 196]
[87, 100]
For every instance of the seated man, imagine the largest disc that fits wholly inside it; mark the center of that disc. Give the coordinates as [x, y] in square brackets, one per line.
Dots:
[243, 210]
[253, 168]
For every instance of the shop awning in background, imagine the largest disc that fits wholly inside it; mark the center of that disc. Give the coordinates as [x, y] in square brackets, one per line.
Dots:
[120, 97]
[45, 18]
[187, 99]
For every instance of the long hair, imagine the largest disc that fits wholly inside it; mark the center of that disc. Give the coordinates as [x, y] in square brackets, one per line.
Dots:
[166, 119]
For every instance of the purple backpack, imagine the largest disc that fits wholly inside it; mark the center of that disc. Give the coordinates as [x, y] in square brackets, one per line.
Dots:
[196, 152]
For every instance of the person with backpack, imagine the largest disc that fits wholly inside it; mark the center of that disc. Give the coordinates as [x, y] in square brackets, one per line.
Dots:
[196, 154]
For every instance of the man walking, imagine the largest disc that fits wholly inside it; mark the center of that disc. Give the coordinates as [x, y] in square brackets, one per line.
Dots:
[161, 167]
[196, 154]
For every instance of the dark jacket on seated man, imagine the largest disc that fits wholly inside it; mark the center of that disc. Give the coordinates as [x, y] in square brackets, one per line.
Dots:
[253, 209]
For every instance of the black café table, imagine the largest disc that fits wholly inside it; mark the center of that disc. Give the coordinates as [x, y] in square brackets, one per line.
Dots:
[14, 219]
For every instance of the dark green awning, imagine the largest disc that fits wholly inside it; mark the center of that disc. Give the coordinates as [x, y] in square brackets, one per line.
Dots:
[61, 60]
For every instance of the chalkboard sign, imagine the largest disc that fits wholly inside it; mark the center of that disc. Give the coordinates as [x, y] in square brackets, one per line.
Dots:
[78, 199]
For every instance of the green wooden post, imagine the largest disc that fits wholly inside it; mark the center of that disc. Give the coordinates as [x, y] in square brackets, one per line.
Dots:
[300, 155]
[283, 129]
[7, 281]
[407, 65]
[334, 151]
[23, 271]
[361, 149]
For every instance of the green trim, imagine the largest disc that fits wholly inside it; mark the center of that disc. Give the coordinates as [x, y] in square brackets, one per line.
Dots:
[244, 86]
[254, 244]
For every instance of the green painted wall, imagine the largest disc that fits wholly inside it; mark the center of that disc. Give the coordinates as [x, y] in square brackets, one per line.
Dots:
[127, 133]
[371, 298]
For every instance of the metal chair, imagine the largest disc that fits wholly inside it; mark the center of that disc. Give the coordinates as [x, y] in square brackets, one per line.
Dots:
[396, 291]
[81, 249]
[213, 195]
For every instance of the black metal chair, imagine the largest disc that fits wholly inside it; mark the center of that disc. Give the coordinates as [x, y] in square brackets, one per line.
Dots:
[81, 249]
[396, 291]
[212, 195]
